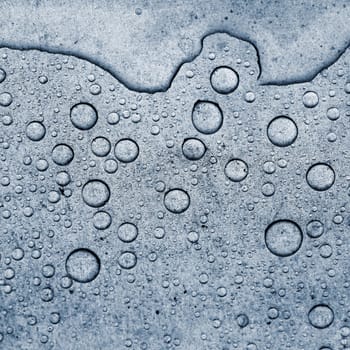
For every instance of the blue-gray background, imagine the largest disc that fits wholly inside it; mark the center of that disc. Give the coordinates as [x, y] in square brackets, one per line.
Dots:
[174, 175]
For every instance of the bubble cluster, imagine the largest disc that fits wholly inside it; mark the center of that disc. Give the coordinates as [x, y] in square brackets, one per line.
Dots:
[211, 215]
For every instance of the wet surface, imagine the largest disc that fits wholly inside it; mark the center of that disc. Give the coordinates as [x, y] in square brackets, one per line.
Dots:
[211, 215]
[144, 43]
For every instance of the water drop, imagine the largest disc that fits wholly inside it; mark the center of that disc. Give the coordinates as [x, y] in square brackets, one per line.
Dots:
[193, 236]
[5, 99]
[249, 97]
[268, 189]
[242, 320]
[310, 99]
[321, 316]
[177, 201]
[159, 233]
[127, 232]
[320, 177]
[224, 80]
[110, 166]
[83, 116]
[2, 75]
[126, 150]
[314, 229]
[35, 131]
[102, 220]
[207, 117]
[193, 149]
[47, 294]
[127, 260]
[82, 265]
[62, 154]
[95, 193]
[236, 170]
[333, 113]
[100, 146]
[113, 118]
[282, 131]
[283, 238]
[63, 178]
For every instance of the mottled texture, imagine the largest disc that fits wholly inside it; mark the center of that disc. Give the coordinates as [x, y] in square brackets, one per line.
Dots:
[212, 215]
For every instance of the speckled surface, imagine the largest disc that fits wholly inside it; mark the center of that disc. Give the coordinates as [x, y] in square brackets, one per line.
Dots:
[174, 175]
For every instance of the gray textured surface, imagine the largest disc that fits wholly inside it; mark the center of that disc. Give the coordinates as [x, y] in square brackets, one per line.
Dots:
[211, 215]
[143, 43]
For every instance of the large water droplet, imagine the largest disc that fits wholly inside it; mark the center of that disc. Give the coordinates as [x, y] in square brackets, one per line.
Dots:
[314, 229]
[224, 80]
[321, 316]
[127, 232]
[177, 201]
[83, 116]
[35, 131]
[283, 238]
[83, 265]
[236, 170]
[320, 177]
[310, 99]
[126, 150]
[100, 146]
[127, 260]
[96, 193]
[193, 149]
[207, 117]
[62, 154]
[282, 131]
